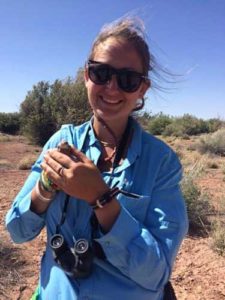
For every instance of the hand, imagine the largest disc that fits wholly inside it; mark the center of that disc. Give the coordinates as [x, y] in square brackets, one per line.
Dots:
[78, 177]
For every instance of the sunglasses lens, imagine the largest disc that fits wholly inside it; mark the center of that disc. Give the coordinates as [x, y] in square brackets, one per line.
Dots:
[99, 74]
[129, 81]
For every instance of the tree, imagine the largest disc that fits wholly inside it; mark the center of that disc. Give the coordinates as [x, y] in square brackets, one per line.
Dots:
[46, 107]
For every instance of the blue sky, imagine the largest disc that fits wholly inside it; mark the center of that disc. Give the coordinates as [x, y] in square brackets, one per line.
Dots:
[50, 39]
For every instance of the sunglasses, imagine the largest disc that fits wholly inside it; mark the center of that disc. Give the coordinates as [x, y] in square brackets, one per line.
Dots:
[128, 80]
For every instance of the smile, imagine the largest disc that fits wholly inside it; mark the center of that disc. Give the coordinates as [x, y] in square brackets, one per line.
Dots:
[109, 101]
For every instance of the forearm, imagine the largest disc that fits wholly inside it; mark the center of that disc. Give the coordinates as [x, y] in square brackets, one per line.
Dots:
[40, 199]
[108, 214]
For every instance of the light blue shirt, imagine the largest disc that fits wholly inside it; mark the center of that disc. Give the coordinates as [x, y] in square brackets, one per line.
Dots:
[141, 246]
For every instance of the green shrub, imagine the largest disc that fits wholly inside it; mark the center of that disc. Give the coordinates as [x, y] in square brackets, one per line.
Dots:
[215, 124]
[174, 129]
[213, 143]
[10, 123]
[158, 124]
[47, 107]
[186, 126]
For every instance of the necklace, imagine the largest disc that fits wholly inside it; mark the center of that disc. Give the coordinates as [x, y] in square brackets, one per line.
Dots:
[106, 144]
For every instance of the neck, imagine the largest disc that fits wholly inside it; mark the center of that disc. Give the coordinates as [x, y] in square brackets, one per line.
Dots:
[104, 134]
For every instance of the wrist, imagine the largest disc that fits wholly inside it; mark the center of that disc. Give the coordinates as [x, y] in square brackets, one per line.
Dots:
[105, 198]
[42, 194]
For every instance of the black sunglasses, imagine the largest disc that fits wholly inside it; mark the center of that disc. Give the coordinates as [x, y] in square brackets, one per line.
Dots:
[128, 80]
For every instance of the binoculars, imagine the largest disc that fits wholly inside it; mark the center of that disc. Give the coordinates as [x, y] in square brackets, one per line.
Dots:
[76, 262]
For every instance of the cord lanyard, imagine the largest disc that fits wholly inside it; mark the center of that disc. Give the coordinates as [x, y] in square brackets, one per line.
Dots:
[119, 153]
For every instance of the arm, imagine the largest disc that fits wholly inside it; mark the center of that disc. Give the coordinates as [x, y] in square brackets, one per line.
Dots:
[22, 223]
[26, 217]
[145, 250]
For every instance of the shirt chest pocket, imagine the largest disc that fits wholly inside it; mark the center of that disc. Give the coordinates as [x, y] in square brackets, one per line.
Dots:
[137, 207]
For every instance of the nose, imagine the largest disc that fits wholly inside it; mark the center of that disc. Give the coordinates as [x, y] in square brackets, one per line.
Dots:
[112, 84]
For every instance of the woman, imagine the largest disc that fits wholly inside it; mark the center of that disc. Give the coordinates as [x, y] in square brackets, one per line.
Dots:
[115, 196]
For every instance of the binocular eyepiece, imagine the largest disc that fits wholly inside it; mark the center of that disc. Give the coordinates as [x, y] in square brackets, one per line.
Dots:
[76, 262]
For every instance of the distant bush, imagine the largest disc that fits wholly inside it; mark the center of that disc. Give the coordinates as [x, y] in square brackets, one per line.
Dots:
[184, 126]
[213, 143]
[215, 124]
[10, 123]
[158, 124]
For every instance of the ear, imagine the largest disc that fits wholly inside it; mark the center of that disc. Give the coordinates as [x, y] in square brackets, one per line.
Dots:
[144, 87]
[85, 75]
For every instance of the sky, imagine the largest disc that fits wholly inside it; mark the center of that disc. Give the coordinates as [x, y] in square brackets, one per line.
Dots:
[51, 39]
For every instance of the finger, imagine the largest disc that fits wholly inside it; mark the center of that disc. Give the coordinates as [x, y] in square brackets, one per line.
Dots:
[55, 165]
[61, 158]
[56, 178]
[79, 155]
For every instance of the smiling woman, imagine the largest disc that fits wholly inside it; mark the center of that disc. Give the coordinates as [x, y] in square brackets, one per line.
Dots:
[112, 204]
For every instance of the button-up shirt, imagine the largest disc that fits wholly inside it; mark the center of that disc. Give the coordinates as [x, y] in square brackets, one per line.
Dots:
[143, 242]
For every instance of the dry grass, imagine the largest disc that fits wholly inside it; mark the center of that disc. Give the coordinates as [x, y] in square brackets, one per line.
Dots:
[26, 162]
[10, 265]
[5, 138]
[218, 235]
[212, 143]
[4, 163]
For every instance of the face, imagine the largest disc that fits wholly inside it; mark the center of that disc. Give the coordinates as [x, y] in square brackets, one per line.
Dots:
[109, 101]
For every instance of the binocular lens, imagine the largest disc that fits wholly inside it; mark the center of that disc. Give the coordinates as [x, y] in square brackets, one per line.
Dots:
[57, 241]
[81, 246]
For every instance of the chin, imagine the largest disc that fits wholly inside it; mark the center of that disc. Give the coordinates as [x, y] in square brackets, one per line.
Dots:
[109, 116]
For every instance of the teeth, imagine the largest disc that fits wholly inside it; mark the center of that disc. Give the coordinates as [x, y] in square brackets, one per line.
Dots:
[110, 101]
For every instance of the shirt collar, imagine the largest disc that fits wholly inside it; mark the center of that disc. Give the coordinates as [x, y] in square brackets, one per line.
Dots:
[134, 149]
[86, 135]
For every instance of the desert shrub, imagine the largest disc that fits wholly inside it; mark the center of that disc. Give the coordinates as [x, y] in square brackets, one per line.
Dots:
[158, 124]
[215, 124]
[26, 162]
[10, 123]
[186, 126]
[218, 236]
[198, 205]
[174, 129]
[213, 143]
[143, 118]
[212, 165]
[4, 163]
[4, 138]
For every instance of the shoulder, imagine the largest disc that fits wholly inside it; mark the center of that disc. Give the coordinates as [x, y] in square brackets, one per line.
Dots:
[150, 143]
[154, 143]
[154, 152]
